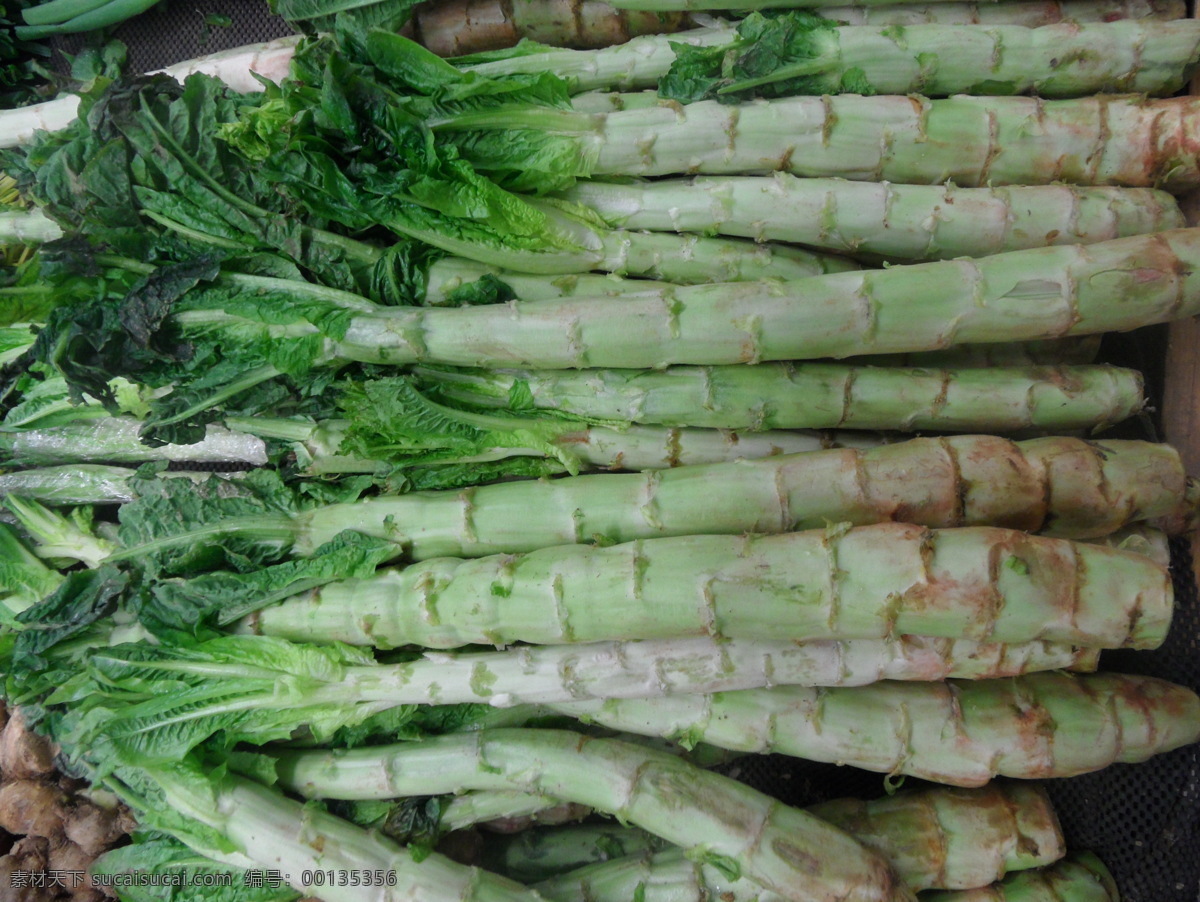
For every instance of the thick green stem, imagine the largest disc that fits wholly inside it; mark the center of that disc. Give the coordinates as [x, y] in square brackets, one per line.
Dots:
[819, 396]
[697, 259]
[903, 222]
[115, 440]
[1061, 486]
[637, 63]
[505, 807]
[450, 274]
[280, 834]
[1129, 56]
[946, 838]
[457, 27]
[869, 582]
[543, 675]
[1042, 293]
[633, 448]
[962, 733]
[791, 853]
[967, 140]
[1050, 61]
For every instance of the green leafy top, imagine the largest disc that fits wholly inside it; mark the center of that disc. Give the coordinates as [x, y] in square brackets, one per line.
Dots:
[143, 163]
[178, 528]
[153, 705]
[356, 137]
[193, 328]
[773, 55]
[389, 420]
[322, 15]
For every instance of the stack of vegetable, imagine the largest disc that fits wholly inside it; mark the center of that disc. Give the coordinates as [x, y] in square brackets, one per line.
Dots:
[543, 480]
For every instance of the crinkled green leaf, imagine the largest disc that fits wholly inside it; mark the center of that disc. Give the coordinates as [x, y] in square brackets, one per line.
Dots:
[182, 527]
[220, 598]
[440, 477]
[389, 420]
[83, 598]
[367, 157]
[155, 704]
[180, 874]
[321, 15]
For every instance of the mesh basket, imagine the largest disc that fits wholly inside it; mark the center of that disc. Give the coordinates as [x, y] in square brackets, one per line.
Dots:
[1142, 820]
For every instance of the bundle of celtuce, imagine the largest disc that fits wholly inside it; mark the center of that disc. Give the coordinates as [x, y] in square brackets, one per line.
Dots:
[535, 486]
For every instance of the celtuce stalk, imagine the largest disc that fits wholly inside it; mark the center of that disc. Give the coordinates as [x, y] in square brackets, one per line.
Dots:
[634, 448]
[1129, 56]
[680, 259]
[638, 63]
[648, 448]
[1061, 486]
[1042, 293]
[934, 837]
[938, 837]
[317, 448]
[819, 396]
[688, 261]
[684, 259]
[868, 582]
[450, 273]
[595, 671]
[954, 838]
[676, 259]
[902, 222]
[781, 848]
[1036, 726]
[1080, 878]
[1011, 12]
[458, 27]
[277, 833]
[970, 141]
[542, 853]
